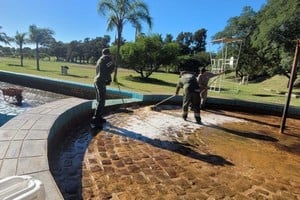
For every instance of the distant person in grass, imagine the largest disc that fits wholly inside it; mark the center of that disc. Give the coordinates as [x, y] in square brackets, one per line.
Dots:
[104, 69]
[203, 79]
[191, 95]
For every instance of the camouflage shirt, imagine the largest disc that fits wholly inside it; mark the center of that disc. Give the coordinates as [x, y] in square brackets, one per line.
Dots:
[104, 69]
[188, 82]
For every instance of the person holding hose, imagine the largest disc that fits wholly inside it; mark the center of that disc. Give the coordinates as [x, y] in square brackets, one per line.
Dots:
[104, 69]
[203, 79]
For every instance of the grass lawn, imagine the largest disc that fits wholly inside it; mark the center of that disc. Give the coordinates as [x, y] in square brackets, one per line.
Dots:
[270, 91]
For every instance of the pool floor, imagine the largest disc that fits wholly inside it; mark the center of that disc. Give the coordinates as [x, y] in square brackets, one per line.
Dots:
[147, 154]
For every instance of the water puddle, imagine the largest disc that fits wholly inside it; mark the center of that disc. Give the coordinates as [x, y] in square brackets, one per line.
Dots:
[31, 98]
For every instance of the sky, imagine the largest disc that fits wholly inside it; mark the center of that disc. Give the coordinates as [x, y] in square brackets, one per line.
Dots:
[79, 19]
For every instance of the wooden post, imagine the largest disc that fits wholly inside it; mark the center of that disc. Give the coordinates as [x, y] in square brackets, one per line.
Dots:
[291, 83]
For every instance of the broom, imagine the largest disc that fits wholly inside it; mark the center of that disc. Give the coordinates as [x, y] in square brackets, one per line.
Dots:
[154, 107]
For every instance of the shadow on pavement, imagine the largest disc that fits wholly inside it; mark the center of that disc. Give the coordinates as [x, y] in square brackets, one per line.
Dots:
[173, 146]
[221, 112]
[245, 134]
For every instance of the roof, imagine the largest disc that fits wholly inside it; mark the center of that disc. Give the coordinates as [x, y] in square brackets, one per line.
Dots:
[226, 40]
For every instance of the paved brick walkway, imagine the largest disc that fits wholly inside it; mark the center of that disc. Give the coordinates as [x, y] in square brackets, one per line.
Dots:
[24, 141]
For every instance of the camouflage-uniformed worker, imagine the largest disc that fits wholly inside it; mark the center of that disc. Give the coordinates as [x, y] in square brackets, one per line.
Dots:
[191, 94]
[104, 69]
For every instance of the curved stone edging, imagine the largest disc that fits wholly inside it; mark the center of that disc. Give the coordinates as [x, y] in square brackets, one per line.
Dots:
[27, 140]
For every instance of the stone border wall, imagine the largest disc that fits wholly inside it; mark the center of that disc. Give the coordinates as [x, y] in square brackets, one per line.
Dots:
[80, 90]
[87, 91]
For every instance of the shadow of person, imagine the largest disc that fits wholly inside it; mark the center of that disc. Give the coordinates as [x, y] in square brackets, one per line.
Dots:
[66, 165]
[173, 146]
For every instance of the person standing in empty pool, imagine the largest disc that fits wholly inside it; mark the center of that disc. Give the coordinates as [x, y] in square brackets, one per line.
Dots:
[203, 79]
[191, 94]
[104, 69]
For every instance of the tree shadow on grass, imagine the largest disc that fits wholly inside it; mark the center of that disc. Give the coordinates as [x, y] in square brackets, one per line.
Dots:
[77, 76]
[150, 81]
[15, 65]
[127, 87]
[264, 95]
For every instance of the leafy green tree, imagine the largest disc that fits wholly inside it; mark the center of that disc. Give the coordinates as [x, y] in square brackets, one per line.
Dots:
[119, 12]
[3, 37]
[169, 38]
[87, 49]
[243, 27]
[20, 40]
[40, 37]
[188, 63]
[278, 28]
[185, 41]
[148, 54]
[199, 39]
[97, 45]
[203, 57]
[59, 50]
[72, 51]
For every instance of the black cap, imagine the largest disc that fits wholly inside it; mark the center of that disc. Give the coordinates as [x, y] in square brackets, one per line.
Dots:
[105, 51]
[202, 69]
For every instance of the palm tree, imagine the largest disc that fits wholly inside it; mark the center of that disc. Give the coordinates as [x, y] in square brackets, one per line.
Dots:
[40, 36]
[20, 40]
[3, 37]
[119, 12]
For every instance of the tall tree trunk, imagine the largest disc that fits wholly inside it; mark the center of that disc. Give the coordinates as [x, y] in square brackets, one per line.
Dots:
[21, 55]
[37, 56]
[115, 79]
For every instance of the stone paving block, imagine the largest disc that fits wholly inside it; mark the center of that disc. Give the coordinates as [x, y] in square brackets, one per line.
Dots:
[28, 165]
[14, 149]
[3, 148]
[28, 116]
[43, 124]
[36, 110]
[37, 134]
[6, 135]
[59, 110]
[8, 167]
[21, 134]
[46, 111]
[52, 191]
[13, 124]
[34, 148]
[28, 124]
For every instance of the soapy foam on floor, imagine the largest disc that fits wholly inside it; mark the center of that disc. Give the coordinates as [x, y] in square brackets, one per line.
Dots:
[163, 125]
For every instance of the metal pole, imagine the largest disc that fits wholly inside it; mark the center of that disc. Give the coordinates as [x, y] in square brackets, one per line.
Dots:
[291, 83]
